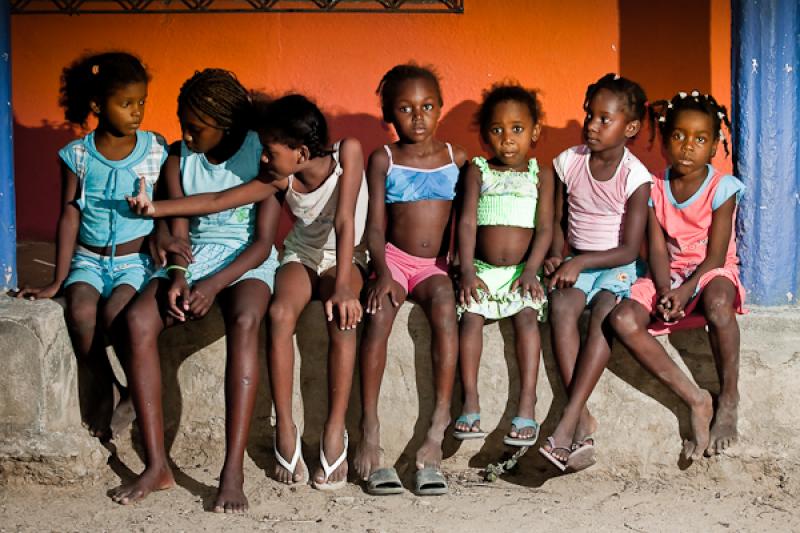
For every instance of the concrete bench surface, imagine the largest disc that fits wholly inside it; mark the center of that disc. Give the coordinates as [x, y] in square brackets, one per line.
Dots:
[641, 422]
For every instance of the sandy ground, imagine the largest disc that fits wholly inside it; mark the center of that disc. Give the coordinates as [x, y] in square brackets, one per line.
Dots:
[594, 500]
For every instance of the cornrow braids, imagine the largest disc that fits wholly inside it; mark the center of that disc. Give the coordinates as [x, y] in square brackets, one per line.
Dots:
[629, 91]
[504, 92]
[295, 121]
[664, 112]
[390, 83]
[217, 94]
[93, 78]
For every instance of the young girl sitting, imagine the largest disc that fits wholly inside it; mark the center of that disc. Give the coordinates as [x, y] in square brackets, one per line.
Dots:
[505, 198]
[233, 260]
[693, 266]
[325, 189]
[412, 184]
[100, 250]
[603, 200]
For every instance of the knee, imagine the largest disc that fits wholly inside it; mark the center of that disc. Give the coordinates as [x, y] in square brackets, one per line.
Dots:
[562, 309]
[527, 318]
[81, 316]
[622, 319]
[443, 314]
[142, 325]
[245, 321]
[719, 311]
[281, 316]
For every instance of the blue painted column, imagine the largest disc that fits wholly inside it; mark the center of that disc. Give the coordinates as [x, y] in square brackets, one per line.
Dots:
[8, 226]
[766, 120]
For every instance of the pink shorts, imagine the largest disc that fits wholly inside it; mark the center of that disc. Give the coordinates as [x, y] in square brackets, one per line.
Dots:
[409, 270]
[644, 290]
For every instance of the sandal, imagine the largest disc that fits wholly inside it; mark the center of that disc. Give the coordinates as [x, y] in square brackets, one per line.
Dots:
[520, 423]
[384, 481]
[330, 469]
[469, 419]
[557, 462]
[583, 454]
[429, 482]
[297, 457]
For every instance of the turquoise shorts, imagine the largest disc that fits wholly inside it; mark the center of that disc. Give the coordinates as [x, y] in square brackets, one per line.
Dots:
[106, 273]
[211, 258]
[616, 280]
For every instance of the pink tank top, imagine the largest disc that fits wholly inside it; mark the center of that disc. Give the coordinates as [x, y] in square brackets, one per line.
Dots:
[596, 208]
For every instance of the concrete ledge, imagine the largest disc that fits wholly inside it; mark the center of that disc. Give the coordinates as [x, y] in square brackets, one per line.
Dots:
[41, 437]
[641, 423]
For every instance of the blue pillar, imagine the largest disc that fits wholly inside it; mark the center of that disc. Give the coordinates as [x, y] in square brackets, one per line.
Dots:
[766, 118]
[8, 226]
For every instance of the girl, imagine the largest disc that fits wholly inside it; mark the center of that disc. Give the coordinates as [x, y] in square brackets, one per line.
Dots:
[412, 184]
[505, 198]
[231, 261]
[100, 250]
[325, 189]
[603, 200]
[693, 264]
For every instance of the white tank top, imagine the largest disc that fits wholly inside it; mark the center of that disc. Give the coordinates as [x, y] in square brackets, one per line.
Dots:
[316, 210]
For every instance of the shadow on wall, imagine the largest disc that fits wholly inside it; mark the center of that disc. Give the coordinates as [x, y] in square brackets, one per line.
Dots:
[38, 181]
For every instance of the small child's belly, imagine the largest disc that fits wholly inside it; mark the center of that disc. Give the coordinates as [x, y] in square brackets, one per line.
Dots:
[503, 245]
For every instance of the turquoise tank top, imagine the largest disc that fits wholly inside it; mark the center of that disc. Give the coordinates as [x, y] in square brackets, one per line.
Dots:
[232, 227]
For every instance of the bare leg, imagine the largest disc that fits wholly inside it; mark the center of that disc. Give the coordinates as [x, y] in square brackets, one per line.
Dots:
[372, 362]
[566, 307]
[629, 321]
[96, 376]
[591, 362]
[145, 323]
[528, 347]
[243, 307]
[293, 286]
[436, 296]
[470, 347]
[113, 314]
[723, 332]
[341, 363]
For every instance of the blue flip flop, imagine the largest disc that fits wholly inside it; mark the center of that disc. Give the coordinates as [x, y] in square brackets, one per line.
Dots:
[522, 423]
[469, 419]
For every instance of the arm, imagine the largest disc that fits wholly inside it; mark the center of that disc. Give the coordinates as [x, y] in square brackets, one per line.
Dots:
[542, 240]
[377, 168]
[206, 203]
[555, 255]
[204, 292]
[161, 241]
[67, 236]
[347, 304]
[719, 236]
[179, 228]
[469, 282]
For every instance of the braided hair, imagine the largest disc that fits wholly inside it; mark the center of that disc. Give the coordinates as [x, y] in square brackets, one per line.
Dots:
[664, 112]
[630, 92]
[95, 77]
[217, 94]
[390, 83]
[505, 92]
[295, 121]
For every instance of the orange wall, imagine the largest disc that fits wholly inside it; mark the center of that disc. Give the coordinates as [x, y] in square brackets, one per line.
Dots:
[338, 59]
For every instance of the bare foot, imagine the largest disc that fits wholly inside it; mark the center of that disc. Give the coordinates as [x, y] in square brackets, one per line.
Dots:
[99, 409]
[230, 496]
[123, 416]
[334, 445]
[150, 480]
[287, 445]
[702, 411]
[724, 432]
[369, 454]
[430, 453]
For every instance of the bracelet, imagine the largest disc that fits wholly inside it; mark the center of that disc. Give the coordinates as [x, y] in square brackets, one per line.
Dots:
[185, 270]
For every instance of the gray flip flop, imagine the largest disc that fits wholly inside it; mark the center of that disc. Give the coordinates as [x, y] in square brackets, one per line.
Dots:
[384, 481]
[429, 482]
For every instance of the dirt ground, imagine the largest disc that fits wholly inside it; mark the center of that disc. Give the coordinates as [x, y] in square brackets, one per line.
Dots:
[595, 500]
